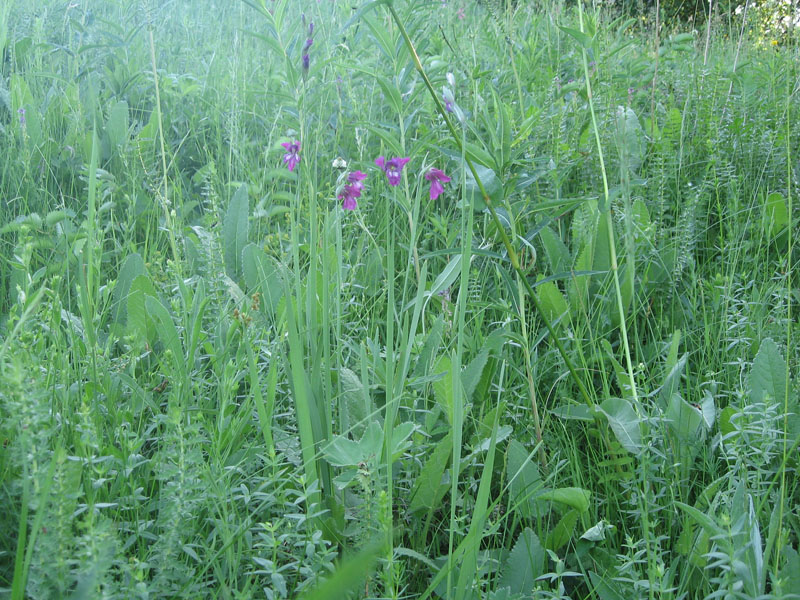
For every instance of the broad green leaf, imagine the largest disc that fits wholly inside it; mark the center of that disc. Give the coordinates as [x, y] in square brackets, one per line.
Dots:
[552, 301]
[563, 531]
[624, 423]
[776, 214]
[525, 563]
[491, 183]
[443, 387]
[118, 125]
[348, 575]
[132, 267]
[702, 519]
[557, 253]
[574, 497]
[768, 374]
[400, 438]
[356, 411]
[262, 274]
[623, 380]
[630, 138]
[672, 382]
[608, 589]
[447, 277]
[684, 421]
[428, 488]
[524, 479]
[472, 373]
[139, 322]
[166, 330]
[597, 533]
[574, 412]
[343, 452]
[234, 231]
[583, 39]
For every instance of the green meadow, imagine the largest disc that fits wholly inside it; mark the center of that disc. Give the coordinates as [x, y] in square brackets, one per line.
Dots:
[399, 299]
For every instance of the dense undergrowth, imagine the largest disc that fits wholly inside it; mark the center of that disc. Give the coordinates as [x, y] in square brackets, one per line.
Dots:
[215, 381]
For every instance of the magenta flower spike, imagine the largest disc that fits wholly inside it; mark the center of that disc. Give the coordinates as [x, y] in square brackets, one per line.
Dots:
[348, 198]
[437, 178]
[352, 190]
[392, 168]
[292, 156]
[355, 178]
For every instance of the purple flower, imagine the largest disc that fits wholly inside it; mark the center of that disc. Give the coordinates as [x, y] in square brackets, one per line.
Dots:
[352, 190]
[448, 106]
[292, 156]
[21, 113]
[348, 197]
[392, 168]
[306, 63]
[355, 178]
[307, 45]
[437, 178]
[311, 29]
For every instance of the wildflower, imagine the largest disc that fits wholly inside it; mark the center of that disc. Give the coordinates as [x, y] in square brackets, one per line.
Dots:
[21, 113]
[306, 63]
[348, 197]
[352, 190]
[392, 168]
[339, 163]
[437, 178]
[461, 14]
[355, 178]
[307, 45]
[292, 156]
[448, 105]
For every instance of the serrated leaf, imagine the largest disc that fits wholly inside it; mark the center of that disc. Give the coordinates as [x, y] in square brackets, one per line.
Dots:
[552, 301]
[235, 230]
[525, 563]
[428, 489]
[557, 253]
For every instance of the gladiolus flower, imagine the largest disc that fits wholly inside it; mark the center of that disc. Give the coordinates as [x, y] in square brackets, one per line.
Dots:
[348, 197]
[437, 178]
[292, 156]
[355, 178]
[352, 190]
[392, 168]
